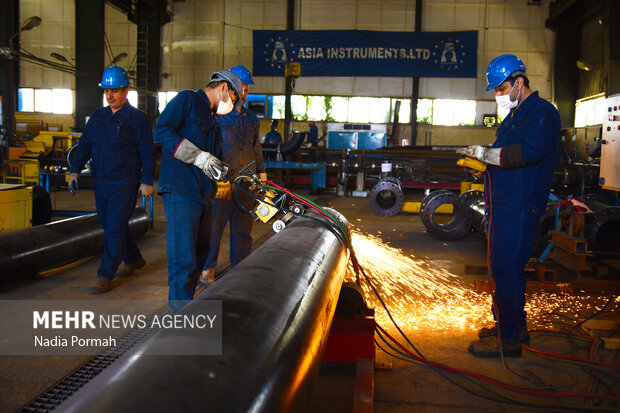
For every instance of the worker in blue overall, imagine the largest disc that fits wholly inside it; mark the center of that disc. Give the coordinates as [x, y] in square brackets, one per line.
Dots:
[273, 137]
[517, 184]
[119, 140]
[240, 148]
[313, 139]
[188, 133]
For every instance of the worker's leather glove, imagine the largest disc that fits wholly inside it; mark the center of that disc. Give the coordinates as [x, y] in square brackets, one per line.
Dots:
[224, 190]
[73, 183]
[211, 166]
[263, 176]
[482, 153]
[146, 190]
[189, 153]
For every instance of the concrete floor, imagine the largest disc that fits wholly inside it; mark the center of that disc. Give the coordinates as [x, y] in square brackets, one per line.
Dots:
[406, 387]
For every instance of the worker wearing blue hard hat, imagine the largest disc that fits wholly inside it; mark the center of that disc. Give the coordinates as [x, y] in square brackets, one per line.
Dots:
[240, 147]
[517, 184]
[119, 140]
[190, 167]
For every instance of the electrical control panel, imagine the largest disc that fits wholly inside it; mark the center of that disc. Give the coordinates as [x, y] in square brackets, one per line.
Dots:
[610, 145]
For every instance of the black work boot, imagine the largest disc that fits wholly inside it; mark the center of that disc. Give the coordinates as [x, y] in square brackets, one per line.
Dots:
[524, 335]
[126, 270]
[489, 347]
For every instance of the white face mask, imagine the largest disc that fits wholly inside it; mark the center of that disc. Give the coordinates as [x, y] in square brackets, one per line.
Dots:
[505, 102]
[224, 108]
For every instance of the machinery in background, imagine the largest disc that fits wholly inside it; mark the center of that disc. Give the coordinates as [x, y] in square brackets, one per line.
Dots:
[23, 206]
[610, 145]
[44, 154]
[356, 136]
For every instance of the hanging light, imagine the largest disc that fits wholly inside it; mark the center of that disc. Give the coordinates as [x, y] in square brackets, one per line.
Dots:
[31, 23]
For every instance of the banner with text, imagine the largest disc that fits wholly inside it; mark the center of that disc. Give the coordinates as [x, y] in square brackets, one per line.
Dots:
[366, 53]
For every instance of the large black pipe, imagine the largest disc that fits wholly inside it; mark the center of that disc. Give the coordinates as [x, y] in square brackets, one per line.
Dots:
[277, 306]
[289, 147]
[26, 252]
[603, 226]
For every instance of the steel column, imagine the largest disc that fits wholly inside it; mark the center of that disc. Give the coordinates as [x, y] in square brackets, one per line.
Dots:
[89, 58]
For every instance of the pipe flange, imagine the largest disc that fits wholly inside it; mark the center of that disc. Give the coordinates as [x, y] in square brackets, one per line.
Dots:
[453, 230]
[391, 179]
[386, 198]
[471, 197]
[430, 196]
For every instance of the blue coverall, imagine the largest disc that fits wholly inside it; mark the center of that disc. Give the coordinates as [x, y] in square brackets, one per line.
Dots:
[186, 190]
[123, 156]
[516, 198]
[240, 147]
[273, 137]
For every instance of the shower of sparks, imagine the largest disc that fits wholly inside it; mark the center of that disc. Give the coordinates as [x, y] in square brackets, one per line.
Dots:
[422, 296]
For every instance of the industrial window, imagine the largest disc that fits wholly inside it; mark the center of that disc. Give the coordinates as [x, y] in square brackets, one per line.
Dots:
[449, 112]
[404, 114]
[501, 113]
[316, 107]
[340, 109]
[25, 100]
[45, 100]
[163, 98]
[453, 112]
[62, 101]
[278, 107]
[590, 111]
[369, 110]
[424, 111]
[299, 107]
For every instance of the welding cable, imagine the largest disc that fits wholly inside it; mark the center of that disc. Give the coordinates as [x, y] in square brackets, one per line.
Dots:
[611, 367]
[602, 310]
[593, 379]
[499, 383]
[560, 333]
[420, 356]
[506, 399]
[409, 359]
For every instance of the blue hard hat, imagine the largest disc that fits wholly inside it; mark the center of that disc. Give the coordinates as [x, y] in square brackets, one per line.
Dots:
[243, 73]
[114, 77]
[501, 68]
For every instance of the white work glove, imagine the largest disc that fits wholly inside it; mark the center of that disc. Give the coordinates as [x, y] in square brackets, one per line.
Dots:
[482, 153]
[211, 166]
